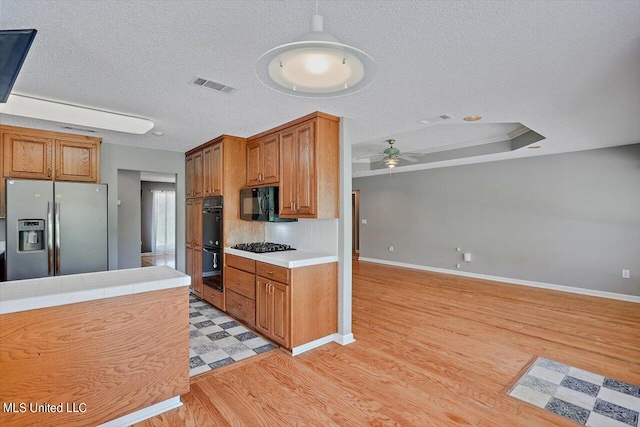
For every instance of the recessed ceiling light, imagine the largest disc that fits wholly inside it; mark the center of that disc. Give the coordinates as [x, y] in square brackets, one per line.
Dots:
[533, 147]
[316, 65]
[158, 133]
[25, 106]
[472, 118]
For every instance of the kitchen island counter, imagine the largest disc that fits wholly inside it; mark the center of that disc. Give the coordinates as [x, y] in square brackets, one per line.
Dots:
[31, 294]
[108, 348]
[286, 259]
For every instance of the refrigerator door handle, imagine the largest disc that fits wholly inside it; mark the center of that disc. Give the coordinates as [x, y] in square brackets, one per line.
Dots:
[57, 226]
[50, 237]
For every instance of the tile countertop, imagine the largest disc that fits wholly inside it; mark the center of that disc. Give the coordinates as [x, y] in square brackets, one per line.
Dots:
[287, 259]
[31, 294]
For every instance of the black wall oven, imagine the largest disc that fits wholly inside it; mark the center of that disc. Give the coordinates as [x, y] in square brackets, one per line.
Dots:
[212, 242]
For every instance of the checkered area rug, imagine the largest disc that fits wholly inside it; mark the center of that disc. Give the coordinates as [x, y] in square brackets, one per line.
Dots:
[587, 398]
[217, 340]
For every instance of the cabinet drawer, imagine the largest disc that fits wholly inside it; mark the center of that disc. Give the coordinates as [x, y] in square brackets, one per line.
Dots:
[244, 264]
[240, 282]
[274, 272]
[242, 308]
[213, 297]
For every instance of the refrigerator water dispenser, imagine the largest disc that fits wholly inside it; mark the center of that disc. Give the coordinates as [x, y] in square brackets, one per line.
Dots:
[31, 235]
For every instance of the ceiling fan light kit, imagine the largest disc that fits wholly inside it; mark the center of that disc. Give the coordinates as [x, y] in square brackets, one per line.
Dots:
[316, 65]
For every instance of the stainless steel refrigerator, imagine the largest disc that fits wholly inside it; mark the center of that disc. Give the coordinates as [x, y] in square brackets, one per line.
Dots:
[55, 228]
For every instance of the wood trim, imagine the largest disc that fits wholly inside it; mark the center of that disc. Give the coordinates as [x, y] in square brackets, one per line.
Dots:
[214, 141]
[116, 355]
[317, 114]
[50, 134]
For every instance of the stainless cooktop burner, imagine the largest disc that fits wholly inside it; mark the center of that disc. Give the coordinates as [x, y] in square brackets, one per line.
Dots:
[261, 247]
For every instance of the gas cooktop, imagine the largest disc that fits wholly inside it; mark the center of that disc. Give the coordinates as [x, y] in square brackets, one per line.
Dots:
[261, 247]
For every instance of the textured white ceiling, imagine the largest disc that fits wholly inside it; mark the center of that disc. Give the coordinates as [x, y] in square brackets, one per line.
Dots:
[568, 70]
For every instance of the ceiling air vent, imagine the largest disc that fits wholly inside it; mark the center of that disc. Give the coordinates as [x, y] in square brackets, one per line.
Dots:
[210, 84]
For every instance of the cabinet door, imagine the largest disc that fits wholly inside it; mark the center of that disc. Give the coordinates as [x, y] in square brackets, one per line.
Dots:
[197, 174]
[279, 302]
[270, 162]
[196, 277]
[263, 323]
[77, 161]
[188, 175]
[27, 156]
[287, 196]
[216, 170]
[305, 182]
[188, 266]
[193, 174]
[189, 225]
[253, 164]
[196, 221]
[207, 171]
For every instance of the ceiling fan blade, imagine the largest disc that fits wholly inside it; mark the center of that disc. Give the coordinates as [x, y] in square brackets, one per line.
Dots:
[408, 158]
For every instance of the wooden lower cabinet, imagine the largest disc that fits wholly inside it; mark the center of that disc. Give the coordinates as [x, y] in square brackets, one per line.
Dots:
[193, 267]
[214, 297]
[301, 311]
[241, 307]
[240, 289]
[289, 306]
[272, 309]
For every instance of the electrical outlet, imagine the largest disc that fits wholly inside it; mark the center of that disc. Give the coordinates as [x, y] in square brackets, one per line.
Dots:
[364, 221]
[390, 248]
[626, 274]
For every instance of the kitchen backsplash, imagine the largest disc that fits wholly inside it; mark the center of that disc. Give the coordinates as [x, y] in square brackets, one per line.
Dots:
[315, 235]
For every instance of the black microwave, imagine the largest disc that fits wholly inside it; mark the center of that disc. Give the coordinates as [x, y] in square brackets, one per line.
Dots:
[260, 204]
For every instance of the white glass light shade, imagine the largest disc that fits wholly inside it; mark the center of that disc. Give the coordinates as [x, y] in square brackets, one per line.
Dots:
[316, 65]
[391, 162]
[25, 106]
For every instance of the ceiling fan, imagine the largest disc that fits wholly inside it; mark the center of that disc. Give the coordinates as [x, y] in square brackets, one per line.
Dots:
[391, 156]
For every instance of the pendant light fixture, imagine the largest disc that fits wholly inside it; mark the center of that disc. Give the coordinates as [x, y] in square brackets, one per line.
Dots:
[316, 65]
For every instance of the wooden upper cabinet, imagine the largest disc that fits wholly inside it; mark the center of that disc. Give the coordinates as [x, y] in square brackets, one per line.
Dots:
[212, 170]
[193, 174]
[40, 154]
[27, 155]
[263, 161]
[298, 189]
[77, 161]
[310, 158]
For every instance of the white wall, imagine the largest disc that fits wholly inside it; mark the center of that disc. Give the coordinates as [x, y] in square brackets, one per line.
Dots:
[114, 157]
[129, 219]
[570, 219]
[314, 235]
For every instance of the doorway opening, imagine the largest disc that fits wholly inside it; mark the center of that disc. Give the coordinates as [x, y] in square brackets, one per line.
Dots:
[158, 219]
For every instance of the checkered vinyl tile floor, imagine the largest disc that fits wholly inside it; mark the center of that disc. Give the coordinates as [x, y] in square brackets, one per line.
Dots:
[587, 398]
[217, 340]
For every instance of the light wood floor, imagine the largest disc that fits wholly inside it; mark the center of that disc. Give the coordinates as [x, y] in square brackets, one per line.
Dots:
[431, 350]
[151, 260]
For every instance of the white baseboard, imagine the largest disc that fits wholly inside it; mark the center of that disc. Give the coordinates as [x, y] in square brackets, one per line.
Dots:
[311, 345]
[146, 413]
[343, 339]
[340, 339]
[570, 289]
